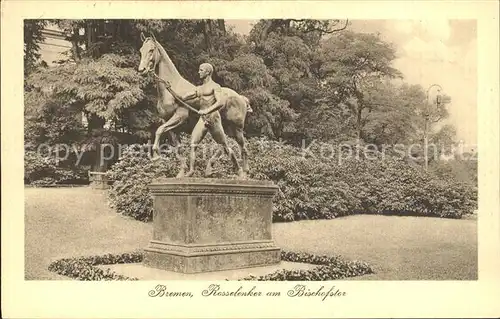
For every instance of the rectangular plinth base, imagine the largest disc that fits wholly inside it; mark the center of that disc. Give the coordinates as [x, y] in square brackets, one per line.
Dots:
[206, 225]
[211, 262]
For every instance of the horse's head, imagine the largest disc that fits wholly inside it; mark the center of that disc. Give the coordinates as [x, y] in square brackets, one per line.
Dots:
[149, 54]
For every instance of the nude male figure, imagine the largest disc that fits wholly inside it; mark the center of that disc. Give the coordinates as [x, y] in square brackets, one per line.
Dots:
[211, 100]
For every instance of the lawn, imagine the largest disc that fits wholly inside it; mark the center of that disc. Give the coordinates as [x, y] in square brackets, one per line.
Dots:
[68, 222]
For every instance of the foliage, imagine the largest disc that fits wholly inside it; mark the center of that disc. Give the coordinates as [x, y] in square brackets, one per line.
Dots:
[391, 117]
[460, 170]
[442, 142]
[100, 91]
[392, 186]
[48, 120]
[306, 192]
[104, 87]
[310, 186]
[44, 170]
[291, 72]
[350, 64]
[288, 59]
[330, 268]
[132, 174]
[293, 75]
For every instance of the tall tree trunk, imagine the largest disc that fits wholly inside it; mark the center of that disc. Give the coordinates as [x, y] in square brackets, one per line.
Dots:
[88, 33]
[75, 48]
[207, 35]
[94, 129]
[221, 25]
[359, 109]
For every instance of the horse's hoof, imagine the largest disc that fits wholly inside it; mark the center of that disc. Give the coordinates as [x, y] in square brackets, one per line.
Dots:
[189, 174]
[180, 174]
[155, 158]
[210, 173]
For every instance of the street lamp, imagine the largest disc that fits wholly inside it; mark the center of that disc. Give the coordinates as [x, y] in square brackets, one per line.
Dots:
[438, 102]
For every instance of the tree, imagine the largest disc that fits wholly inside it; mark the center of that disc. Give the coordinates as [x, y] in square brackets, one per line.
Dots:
[442, 141]
[48, 120]
[104, 90]
[33, 36]
[393, 114]
[352, 63]
[286, 50]
[309, 30]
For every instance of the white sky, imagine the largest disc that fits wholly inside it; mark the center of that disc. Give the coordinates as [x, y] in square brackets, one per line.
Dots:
[441, 51]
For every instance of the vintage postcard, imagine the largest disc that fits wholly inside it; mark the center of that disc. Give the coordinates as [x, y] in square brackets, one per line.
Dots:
[242, 159]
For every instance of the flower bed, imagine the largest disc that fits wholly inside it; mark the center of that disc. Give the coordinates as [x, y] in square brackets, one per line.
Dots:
[329, 268]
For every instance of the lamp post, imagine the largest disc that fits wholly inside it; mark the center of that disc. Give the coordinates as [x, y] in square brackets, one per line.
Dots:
[426, 128]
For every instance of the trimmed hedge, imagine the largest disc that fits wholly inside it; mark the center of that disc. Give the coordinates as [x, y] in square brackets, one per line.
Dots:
[310, 187]
[331, 268]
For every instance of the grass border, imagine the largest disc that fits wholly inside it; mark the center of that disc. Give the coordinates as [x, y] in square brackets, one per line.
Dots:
[329, 267]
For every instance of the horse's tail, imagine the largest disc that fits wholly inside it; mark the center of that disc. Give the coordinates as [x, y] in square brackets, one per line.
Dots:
[247, 102]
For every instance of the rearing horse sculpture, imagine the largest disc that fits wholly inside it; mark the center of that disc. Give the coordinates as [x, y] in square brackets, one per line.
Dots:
[234, 112]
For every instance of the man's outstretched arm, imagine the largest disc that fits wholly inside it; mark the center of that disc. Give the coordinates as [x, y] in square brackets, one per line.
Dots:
[189, 95]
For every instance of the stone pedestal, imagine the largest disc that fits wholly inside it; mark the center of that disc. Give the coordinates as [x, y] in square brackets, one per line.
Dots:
[202, 225]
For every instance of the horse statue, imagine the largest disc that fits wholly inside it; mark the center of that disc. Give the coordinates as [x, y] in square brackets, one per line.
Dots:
[174, 111]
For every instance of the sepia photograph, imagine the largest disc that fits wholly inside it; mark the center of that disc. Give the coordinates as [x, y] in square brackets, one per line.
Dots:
[180, 164]
[336, 149]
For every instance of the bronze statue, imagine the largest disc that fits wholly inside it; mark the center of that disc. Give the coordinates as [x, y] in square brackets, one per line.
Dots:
[210, 97]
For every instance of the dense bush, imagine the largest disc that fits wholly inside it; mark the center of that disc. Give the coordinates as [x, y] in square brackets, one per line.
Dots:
[132, 174]
[41, 171]
[310, 187]
[462, 170]
[392, 186]
[330, 268]
[305, 188]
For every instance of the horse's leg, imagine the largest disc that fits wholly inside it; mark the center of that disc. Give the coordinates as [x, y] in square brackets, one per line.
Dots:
[240, 139]
[156, 144]
[176, 143]
[172, 138]
[199, 132]
[158, 135]
[176, 120]
[215, 157]
[217, 132]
